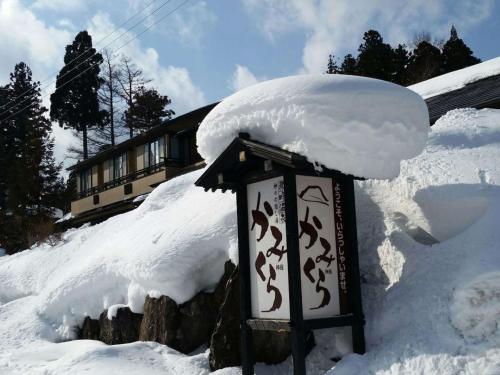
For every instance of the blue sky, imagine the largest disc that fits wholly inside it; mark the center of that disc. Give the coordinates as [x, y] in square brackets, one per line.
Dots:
[209, 48]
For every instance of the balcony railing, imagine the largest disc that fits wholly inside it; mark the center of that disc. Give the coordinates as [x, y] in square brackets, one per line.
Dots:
[175, 163]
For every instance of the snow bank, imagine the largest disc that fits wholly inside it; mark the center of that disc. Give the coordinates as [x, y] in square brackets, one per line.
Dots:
[457, 79]
[174, 244]
[432, 306]
[357, 125]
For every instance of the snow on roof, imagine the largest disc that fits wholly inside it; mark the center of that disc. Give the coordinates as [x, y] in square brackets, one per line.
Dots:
[357, 125]
[457, 79]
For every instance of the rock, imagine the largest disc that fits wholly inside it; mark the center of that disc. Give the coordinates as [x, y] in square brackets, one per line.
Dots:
[220, 290]
[184, 327]
[225, 341]
[197, 322]
[122, 329]
[90, 329]
[160, 321]
[269, 347]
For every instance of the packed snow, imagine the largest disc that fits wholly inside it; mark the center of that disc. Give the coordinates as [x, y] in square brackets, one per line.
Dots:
[430, 264]
[457, 79]
[360, 126]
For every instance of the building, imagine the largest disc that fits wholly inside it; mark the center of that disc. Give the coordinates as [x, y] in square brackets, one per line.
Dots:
[476, 86]
[117, 179]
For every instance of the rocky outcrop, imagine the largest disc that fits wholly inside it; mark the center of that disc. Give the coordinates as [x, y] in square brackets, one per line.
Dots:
[225, 341]
[160, 320]
[208, 318]
[183, 327]
[90, 329]
[121, 329]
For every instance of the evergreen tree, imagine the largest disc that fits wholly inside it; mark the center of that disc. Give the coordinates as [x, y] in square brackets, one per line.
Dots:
[425, 62]
[332, 67]
[4, 148]
[148, 109]
[75, 103]
[400, 61]
[349, 65]
[456, 54]
[30, 174]
[375, 57]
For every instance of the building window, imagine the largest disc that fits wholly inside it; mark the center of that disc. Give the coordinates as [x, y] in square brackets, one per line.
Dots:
[154, 152]
[120, 166]
[85, 180]
[111, 170]
[176, 148]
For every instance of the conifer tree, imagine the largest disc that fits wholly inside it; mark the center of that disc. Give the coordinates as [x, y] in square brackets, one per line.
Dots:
[375, 57]
[425, 62]
[456, 54]
[332, 67]
[75, 103]
[31, 175]
[4, 147]
[148, 109]
[349, 65]
[400, 61]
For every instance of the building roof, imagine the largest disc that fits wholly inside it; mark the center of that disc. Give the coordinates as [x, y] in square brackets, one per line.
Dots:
[480, 94]
[476, 86]
[456, 80]
[184, 123]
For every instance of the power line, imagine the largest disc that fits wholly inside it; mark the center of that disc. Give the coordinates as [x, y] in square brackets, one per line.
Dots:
[77, 57]
[97, 51]
[91, 66]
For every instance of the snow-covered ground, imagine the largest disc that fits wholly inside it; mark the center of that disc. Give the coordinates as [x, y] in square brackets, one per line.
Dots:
[431, 309]
[457, 79]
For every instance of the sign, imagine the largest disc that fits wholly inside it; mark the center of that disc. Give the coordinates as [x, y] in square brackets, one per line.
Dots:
[268, 249]
[321, 247]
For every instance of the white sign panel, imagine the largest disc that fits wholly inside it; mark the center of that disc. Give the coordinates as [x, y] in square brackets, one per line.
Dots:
[268, 249]
[317, 246]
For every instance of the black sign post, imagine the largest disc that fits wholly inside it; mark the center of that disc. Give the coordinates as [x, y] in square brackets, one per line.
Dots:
[298, 252]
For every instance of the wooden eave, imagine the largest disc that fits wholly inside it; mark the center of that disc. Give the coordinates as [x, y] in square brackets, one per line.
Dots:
[233, 170]
[184, 123]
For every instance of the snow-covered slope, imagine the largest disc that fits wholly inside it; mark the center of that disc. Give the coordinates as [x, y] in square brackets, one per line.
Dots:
[457, 79]
[431, 309]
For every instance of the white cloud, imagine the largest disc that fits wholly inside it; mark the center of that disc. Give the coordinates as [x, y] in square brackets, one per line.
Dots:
[243, 77]
[60, 5]
[170, 80]
[188, 24]
[192, 24]
[337, 25]
[38, 45]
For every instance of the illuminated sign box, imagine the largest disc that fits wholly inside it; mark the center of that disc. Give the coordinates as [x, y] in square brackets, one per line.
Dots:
[297, 240]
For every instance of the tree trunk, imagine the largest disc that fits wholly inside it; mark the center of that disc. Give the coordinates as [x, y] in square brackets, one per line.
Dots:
[85, 149]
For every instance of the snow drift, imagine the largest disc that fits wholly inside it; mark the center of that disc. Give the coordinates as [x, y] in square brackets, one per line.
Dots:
[360, 126]
[430, 263]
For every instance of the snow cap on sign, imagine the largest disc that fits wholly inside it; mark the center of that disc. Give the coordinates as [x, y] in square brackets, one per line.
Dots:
[357, 125]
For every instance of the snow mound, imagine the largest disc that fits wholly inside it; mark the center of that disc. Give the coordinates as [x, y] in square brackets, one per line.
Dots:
[457, 79]
[360, 126]
[174, 244]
